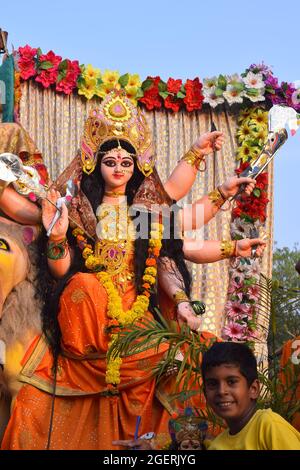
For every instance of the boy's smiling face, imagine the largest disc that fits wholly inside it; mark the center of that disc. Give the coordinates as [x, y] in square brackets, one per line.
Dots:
[228, 393]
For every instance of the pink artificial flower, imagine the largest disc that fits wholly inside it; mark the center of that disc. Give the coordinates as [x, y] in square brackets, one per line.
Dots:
[234, 286]
[234, 331]
[68, 83]
[26, 62]
[48, 77]
[237, 310]
[253, 270]
[253, 292]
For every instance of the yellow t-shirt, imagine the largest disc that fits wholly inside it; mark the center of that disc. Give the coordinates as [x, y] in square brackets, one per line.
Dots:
[265, 431]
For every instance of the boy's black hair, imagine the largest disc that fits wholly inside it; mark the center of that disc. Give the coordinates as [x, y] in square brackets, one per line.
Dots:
[237, 354]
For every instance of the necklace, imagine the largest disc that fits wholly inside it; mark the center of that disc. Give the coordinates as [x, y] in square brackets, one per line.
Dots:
[117, 317]
[114, 193]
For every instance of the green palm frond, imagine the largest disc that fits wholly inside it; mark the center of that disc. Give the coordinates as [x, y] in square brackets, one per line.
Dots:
[183, 354]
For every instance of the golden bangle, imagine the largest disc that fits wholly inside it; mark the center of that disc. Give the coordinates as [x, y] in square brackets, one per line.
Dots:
[193, 157]
[180, 296]
[228, 248]
[217, 198]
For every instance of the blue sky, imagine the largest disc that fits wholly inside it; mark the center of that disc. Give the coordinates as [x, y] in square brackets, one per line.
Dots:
[181, 40]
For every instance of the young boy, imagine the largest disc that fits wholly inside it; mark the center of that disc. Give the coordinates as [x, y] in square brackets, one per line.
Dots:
[231, 389]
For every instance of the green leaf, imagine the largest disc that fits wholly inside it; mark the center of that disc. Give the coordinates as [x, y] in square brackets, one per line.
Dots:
[139, 93]
[256, 192]
[222, 82]
[63, 65]
[219, 92]
[39, 52]
[180, 95]
[61, 76]
[164, 94]
[270, 90]
[147, 84]
[80, 80]
[162, 86]
[239, 86]
[252, 91]
[46, 65]
[123, 80]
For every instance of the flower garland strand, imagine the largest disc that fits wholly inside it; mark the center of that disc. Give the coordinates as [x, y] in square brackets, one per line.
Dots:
[254, 85]
[117, 316]
[249, 214]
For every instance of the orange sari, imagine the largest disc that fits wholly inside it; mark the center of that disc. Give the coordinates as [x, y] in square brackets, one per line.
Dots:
[289, 372]
[85, 417]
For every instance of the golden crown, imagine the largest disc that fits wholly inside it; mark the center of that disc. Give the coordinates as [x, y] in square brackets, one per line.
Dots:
[117, 119]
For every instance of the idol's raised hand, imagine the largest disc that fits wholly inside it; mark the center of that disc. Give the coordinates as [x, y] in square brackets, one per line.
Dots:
[232, 186]
[186, 314]
[244, 248]
[60, 228]
[209, 142]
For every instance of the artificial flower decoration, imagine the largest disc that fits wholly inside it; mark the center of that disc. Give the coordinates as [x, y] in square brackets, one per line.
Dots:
[151, 98]
[27, 62]
[256, 84]
[47, 70]
[248, 214]
[89, 72]
[194, 98]
[68, 73]
[87, 87]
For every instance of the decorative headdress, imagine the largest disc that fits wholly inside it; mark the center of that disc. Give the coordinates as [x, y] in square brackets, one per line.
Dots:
[188, 427]
[117, 119]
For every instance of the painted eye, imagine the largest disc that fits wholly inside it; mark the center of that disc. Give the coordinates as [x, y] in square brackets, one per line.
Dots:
[127, 163]
[4, 245]
[110, 163]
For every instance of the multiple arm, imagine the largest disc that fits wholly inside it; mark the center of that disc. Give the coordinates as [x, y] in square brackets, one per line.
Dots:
[57, 240]
[177, 186]
[209, 251]
[170, 280]
[19, 208]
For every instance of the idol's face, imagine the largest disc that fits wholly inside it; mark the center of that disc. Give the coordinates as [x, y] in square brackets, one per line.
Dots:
[117, 167]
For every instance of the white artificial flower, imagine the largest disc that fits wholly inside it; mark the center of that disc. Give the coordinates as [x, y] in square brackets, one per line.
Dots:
[255, 98]
[209, 82]
[239, 227]
[254, 80]
[211, 98]
[232, 95]
[234, 78]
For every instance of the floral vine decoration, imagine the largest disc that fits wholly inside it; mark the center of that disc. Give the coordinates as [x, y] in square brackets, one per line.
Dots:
[247, 216]
[256, 84]
[119, 318]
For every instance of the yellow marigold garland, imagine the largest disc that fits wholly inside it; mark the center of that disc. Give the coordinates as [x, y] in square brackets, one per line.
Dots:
[119, 317]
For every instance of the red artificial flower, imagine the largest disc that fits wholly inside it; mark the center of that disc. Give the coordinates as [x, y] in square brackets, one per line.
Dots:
[262, 178]
[26, 62]
[48, 77]
[173, 86]
[242, 167]
[194, 98]
[172, 103]
[151, 98]
[68, 83]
